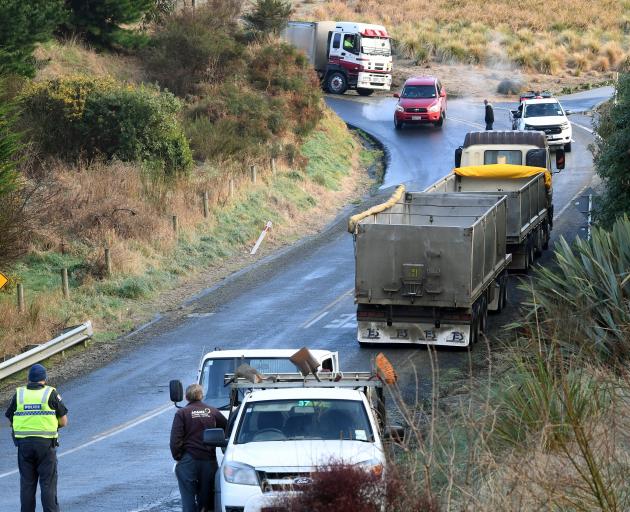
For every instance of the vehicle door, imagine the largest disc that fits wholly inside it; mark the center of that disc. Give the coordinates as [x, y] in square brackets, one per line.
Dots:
[344, 52]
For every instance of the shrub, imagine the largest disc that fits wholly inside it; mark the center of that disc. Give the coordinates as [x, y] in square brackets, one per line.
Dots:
[89, 117]
[23, 24]
[191, 47]
[268, 16]
[612, 158]
[100, 21]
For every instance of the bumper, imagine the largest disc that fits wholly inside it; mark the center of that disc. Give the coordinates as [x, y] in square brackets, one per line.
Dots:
[236, 497]
[412, 117]
[379, 81]
[558, 139]
[448, 334]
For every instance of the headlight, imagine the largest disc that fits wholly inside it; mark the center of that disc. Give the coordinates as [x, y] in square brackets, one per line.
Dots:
[399, 108]
[434, 108]
[564, 125]
[237, 473]
[374, 466]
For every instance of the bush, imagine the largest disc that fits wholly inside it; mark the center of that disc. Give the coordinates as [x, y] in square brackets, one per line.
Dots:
[269, 16]
[100, 21]
[612, 155]
[23, 24]
[80, 117]
[192, 47]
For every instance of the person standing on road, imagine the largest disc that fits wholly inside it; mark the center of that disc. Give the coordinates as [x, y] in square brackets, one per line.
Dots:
[36, 413]
[489, 115]
[196, 462]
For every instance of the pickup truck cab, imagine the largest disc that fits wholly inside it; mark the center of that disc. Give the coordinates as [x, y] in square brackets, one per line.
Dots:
[216, 364]
[544, 115]
[284, 430]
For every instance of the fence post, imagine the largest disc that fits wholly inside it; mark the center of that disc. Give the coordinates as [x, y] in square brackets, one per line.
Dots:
[231, 188]
[253, 172]
[206, 210]
[273, 166]
[65, 288]
[175, 224]
[20, 297]
[108, 261]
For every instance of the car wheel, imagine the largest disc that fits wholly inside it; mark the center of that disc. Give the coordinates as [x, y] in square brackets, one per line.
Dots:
[337, 83]
[397, 124]
[440, 121]
[364, 92]
[567, 148]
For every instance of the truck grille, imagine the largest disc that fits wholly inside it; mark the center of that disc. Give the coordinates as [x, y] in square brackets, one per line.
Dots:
[279, 481]
[550, 130]
[420, 110]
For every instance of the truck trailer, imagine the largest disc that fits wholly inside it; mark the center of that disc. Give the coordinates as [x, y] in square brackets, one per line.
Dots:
[346, 55]
[429, 266]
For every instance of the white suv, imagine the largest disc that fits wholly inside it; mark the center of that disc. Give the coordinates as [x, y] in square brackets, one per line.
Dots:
[280, 436]
[545, 115]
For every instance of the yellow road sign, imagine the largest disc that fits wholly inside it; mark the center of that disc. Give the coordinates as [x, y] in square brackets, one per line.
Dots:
[3, 280]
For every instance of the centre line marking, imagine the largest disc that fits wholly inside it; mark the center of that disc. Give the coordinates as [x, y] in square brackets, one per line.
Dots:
[325, 310]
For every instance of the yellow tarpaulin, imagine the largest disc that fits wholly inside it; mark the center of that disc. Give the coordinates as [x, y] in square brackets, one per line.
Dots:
[396, 196]
[503, 171]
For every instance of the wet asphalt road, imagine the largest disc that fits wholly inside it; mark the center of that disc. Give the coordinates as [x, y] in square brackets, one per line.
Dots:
[114, 455]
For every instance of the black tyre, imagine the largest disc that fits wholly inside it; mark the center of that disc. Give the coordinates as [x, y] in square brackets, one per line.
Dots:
[398, 124]
[567, 148]
[337, 83]
[364, 92]
[539, 237]
[483, 315]
[440, 122]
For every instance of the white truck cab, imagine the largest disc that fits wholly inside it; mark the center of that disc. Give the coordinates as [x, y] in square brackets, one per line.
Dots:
[214, 365]
[284, 430]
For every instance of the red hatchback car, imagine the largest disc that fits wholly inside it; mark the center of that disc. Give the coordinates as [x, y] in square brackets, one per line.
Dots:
[422, 100]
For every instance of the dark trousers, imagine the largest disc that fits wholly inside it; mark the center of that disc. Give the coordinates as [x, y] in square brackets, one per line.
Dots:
[489, 126]
[37, 460]
[195, 478]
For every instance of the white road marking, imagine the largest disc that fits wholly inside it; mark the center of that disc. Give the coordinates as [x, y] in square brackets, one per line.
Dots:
[570, 202]
[325, 309]
[345, 321]
[199, 315]
[315, 320]
[464, 121]
[109, 433]
[583, 127]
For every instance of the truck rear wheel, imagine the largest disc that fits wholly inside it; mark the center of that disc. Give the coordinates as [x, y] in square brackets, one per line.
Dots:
[364, 92]
[337, 83]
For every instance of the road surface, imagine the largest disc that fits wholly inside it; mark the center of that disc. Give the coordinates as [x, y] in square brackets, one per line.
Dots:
[114, 455]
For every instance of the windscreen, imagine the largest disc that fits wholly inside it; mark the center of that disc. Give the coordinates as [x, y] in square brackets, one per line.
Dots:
[375, 46]
[543, 110]
[419, 91]
[214, 370]
[291, 420]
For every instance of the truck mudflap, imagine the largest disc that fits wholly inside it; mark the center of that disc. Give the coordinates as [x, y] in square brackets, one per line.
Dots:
[448, 334]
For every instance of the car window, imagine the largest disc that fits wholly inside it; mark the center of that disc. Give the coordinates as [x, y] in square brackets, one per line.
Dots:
[291, 420]
[336, 40]
[543, 110]
[349, 42]
[494, 156]
[418, 91]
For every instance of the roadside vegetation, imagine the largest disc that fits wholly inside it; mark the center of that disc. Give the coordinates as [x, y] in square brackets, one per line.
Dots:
[542, 36]
[542, 419]
[141, 132]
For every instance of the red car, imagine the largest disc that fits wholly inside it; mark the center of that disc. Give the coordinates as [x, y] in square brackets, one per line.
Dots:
[422, 100]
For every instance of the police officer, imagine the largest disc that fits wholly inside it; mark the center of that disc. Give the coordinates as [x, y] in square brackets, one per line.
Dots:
[36, 412]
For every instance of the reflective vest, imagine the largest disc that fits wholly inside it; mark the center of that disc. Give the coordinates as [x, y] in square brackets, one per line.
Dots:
[33, 416]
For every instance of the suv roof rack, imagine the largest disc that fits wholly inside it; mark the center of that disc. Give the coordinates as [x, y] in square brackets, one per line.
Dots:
[353, 380]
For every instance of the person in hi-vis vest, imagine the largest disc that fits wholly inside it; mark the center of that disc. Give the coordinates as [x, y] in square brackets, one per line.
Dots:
[36, 413]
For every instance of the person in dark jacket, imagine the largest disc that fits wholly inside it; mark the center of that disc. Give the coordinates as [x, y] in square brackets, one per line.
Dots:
[196, 462]
[489, 115]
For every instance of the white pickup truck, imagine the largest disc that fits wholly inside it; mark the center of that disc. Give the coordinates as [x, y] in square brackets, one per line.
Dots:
[284, 430]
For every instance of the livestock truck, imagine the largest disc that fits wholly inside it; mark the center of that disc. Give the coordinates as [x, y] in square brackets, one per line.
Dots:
[429, 266]
[346, 55]
[517, 165]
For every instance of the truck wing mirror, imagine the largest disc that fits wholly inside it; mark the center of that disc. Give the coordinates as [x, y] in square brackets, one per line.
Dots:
[176, 391]
[443, 93]
[458, 156]
[395, 433]
[214, 437]
[560, 159]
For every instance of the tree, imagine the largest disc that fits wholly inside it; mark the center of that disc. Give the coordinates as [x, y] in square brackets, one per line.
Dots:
[269, 16]
[23, 24]
[612, 153]
[99, 21]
